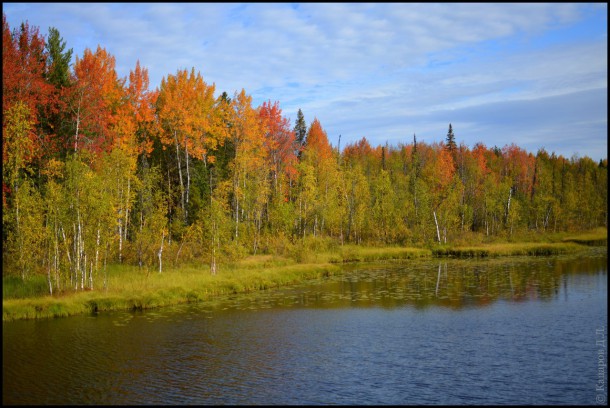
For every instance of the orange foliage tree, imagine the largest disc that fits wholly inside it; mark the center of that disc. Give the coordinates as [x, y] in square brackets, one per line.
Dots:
[96, 95]
[280, 146]
[185, 107]
[23, 82]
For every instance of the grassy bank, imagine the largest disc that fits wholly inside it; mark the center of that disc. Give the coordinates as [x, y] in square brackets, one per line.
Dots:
[510, 249]
[528, 245]
[596, 237]
[129, 288]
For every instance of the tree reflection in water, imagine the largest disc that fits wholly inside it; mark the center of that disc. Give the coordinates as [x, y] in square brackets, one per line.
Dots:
[453, 283]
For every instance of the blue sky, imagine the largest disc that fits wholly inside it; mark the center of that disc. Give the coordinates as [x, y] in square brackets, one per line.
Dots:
[533, 74]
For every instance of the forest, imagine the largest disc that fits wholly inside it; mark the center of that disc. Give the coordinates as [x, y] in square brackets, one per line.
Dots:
[101, 170]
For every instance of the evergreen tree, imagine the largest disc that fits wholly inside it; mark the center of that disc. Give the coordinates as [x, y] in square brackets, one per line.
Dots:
[451, 145]
[414, 144]
[58, 63]
[300, 131]
[56, 121]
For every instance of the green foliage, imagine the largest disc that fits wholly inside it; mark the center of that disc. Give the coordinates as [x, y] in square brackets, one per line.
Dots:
[300, 130]
[451, 145]
[17, 145]
[58, 63]
[151, 229]
[24, 246]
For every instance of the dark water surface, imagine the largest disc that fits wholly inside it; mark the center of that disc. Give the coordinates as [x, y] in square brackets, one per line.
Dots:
[499, 331]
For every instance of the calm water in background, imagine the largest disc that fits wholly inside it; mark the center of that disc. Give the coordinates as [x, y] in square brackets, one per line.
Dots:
[504, 331]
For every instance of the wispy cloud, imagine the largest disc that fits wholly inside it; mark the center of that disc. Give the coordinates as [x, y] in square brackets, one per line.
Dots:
[384, 71]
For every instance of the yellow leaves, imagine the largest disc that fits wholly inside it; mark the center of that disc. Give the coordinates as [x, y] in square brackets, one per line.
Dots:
[247, 133]
[17, 140]
[53, 168]
[185, 105]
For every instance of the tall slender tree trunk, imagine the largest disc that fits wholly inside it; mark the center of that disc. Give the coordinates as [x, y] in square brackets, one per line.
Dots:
[180, 173]
[91, 276]
[236, 214]
[20, 240]
[214, 242]
[56, 256]
[120, 241]
[160, 253]
[126, 209]
[105, 270]
[80, 101]
[97, 245]
[438, 234]
[70, 266]
[510, 193]
[49, 281]
[169, 205]
[188, 179]
[76, 256]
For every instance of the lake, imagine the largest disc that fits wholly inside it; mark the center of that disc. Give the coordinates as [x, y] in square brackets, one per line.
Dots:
[514, 330]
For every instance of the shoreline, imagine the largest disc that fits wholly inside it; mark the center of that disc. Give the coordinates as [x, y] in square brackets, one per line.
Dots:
[129, 289]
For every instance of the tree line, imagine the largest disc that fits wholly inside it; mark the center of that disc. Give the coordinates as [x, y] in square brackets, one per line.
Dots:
[99, 169]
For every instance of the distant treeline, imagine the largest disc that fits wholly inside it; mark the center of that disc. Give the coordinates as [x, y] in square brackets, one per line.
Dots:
[100, 169]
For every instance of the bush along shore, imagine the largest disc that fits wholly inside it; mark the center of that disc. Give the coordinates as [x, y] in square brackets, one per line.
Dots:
[125, 287]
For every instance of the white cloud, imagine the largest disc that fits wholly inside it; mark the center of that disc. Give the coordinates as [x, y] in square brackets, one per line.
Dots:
[383, 71]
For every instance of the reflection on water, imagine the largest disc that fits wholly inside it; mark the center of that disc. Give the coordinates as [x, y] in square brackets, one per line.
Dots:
[498, 331]
[448, 283]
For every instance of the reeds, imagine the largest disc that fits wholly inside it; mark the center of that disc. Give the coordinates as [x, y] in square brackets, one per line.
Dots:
[507, 249]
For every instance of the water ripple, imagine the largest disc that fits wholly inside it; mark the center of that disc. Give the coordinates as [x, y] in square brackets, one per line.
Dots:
[382, 337]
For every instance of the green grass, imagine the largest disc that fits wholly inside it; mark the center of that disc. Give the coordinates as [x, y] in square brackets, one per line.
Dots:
[131, 289]
[15, 287]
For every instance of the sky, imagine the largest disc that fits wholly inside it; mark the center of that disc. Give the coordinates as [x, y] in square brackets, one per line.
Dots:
[532, 74]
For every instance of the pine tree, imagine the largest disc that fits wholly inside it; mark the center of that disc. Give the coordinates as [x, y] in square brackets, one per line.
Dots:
[58, 62]
[57, 122]
[300, 131]
[451, 145]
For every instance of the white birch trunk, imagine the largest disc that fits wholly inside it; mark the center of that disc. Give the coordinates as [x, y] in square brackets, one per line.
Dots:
[77, 124]
[56, 259]
[76, 257]
[510, 193]
[50, 282]
[160, 253]
[180, 172]
[214, 239]
[438, 234]
[236, 212]
[126, 209]
[188, 179]
[83, 275]
[97, 246]
[120, 241]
